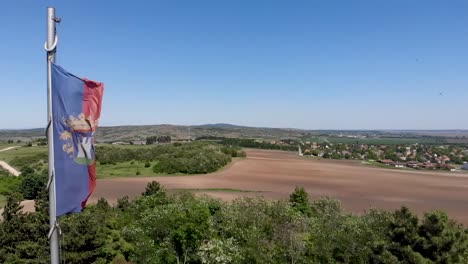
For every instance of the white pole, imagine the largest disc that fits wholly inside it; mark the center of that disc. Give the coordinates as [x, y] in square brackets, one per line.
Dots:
[51, 42]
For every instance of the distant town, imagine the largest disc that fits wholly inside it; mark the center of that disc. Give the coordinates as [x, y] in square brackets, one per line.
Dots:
[415, 156]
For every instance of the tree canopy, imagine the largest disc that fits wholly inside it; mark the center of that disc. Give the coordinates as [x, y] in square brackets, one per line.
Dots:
[182, 228]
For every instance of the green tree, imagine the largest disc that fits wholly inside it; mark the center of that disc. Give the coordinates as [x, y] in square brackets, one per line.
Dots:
[154, 188]
[32, 184]
[299, 200]
[442, 240]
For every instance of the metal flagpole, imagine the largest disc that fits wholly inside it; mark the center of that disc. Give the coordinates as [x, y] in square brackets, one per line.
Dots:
[51, 49]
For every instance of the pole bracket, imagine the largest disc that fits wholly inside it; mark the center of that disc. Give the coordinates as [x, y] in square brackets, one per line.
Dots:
[53, 45]
[47, 128]
[55, 226]
[51, 178]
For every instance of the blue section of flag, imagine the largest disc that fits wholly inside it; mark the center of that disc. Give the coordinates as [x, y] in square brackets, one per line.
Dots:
[71, 173]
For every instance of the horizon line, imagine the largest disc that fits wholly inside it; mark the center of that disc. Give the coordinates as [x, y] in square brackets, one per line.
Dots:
[265, 127]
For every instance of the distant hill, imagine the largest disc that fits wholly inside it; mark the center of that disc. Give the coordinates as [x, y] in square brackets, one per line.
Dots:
[185, 132]
[124, 133]
[127, 133]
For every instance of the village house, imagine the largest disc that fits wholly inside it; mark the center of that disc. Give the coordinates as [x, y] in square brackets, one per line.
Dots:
[444, 159]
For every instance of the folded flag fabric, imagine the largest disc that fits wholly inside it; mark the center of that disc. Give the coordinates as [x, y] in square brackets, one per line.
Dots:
[76, 109]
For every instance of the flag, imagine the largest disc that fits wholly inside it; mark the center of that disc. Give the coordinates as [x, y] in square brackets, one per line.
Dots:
[76, 108]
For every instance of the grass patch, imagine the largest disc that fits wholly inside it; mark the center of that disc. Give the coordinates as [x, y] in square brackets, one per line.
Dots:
[22, 153]
[4, 145]
[125, 146]
[385, 166]
[3, 200]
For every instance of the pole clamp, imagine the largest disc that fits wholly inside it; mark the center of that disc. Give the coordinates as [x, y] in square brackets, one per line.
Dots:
[47, 128]
[54, 45]
[49, 182]
[55, 226]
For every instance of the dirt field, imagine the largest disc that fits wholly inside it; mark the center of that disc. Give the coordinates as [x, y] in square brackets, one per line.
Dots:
[274, 174]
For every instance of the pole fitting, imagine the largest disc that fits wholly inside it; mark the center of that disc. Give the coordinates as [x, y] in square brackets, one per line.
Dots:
[53, 45]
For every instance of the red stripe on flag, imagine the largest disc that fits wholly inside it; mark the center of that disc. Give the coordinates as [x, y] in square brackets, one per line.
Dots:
[92, 100]
[92, 103]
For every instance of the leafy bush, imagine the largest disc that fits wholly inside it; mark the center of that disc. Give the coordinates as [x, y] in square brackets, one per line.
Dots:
[182, 228]
[289, 145]
[299, 200]
[153, 188]
[34, 160]
[186, 159]
[32, 185]
[9, 183]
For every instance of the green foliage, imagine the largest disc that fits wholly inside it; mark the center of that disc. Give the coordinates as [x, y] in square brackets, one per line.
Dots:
[234, 151]
[205, 158]
[253, 143]
[170, 232]
[33, 160]
[32, 184]
[154, 188]
[189, 158]
[8, 183]
[299, 200]
[181, 228]
[23, 237]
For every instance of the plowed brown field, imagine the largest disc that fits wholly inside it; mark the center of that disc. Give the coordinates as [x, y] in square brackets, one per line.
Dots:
[274, 174]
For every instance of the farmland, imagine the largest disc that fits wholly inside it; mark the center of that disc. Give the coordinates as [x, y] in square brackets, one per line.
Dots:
[274, 174]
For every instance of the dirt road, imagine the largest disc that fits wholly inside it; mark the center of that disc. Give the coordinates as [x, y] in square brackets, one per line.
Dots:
[274, 174]
[5, 149]
[6, 166]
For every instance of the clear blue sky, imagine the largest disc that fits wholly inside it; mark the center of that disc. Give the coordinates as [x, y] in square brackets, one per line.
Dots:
[303, 64]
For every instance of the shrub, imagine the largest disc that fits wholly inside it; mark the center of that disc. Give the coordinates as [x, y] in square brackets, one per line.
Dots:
[153, 188]
[299, 200]
[32, 184]
[8, 183]
[184, 228]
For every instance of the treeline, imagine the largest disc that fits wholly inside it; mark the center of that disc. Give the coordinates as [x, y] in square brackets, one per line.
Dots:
[288, 145]
[188, 158]
[181, 228]
[158, 139]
